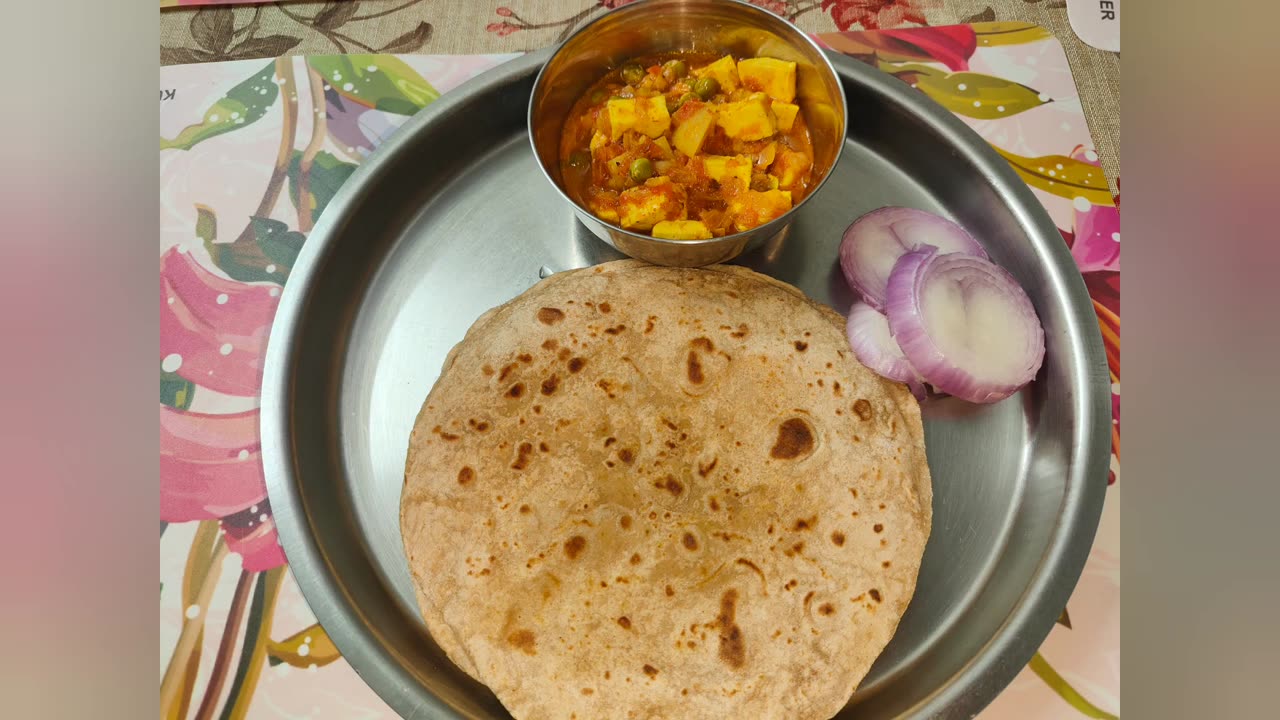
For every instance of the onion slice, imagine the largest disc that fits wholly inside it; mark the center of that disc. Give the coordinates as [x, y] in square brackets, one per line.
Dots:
[874, 346]
[964, 324]
[872, 245]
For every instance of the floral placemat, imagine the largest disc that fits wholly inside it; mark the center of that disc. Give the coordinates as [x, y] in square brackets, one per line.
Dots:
[252, 151]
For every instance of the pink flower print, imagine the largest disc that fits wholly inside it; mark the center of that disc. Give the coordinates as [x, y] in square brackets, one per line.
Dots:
[210, 465]
[213, 331]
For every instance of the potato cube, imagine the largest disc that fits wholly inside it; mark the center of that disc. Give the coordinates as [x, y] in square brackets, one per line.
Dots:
[598, 141]
[647, 116]
[646, 205]
[681, 230]
[693, 130]
[725, 71]
[786, 114]
[753, 208]
[722, 168]
[747, 120]
[664, 147]
[789, 166]
[775, 78]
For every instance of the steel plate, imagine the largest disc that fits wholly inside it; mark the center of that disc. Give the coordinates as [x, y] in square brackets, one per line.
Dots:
[452, 217]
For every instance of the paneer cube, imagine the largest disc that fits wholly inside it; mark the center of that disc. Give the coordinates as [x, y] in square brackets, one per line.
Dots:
[725, 71]
[644, 206]
[647, 116]
[722, 168]
[753, 208]
[789, 167]
[681, 230]
[775, 78]
[693, 130]
[786, 114]
[664, 147]
[749, 119]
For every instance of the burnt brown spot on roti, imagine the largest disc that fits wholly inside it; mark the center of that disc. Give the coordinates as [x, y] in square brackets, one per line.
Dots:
[807, 598]
[801, 346]
[826, 609]
[791, 584]
[875, 594]
[795, 440]
[516, 390]
[550, 384]
[753, 566]
[805, 523]
[615, 329]
[835, 388]
[604, 307]
[564, 353]
[732, 648]
[506, 371]
[587, 691]
[794, 549]
[625, 522]
[624, 622]
[703, 343]
[626, 455]
[705, 470]
[713, 504]
[550, 344]
[574, 546]
[837, 537]
[544, 447]
[650, 670]
[862, 409]
[522, 456]
[878, 527]
[550, 316]
[524, 641]
[525, 358]
[671, 485]
[443, 434]
[487, 370]
[886, 564]
[689, 541]
[576, 364]
[635, 558]
[670, 591]
[694, 368]
[741, 332]
[649, 323]
[525, 509]
[478, 425]
[466, 475]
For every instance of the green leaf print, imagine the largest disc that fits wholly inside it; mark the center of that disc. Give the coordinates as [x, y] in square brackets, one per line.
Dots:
[383, 82]
[175, 391]
[267, 256]
[327, 175]
[243, 104]
[974, 95]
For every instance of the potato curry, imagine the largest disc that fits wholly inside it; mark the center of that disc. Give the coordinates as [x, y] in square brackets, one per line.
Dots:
[689, 146]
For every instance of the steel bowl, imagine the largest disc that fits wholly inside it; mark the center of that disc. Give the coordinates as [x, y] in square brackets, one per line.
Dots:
[660, 26]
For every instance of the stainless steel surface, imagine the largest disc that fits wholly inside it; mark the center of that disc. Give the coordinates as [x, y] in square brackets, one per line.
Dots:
[659, 26]
[452, 217]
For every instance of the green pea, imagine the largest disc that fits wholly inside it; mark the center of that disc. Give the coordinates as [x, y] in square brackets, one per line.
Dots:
[674, 70]
[580, 160]
[632, 74]
[641, 169]
[598, 97]
[706, 87]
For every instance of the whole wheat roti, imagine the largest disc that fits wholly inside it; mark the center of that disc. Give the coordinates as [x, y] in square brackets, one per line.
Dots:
[648, 492]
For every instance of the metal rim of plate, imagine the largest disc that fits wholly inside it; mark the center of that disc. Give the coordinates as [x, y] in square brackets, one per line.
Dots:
[310, 485]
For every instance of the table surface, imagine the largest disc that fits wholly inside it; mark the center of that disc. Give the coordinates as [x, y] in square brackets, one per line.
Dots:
[205, 34]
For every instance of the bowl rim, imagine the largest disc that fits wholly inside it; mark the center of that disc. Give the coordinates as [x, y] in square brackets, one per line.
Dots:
[784, 219]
